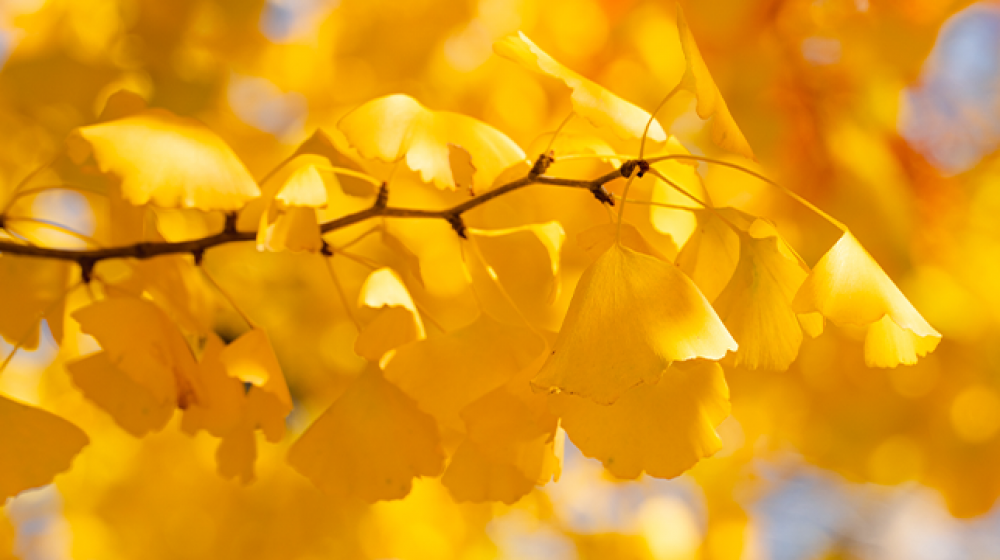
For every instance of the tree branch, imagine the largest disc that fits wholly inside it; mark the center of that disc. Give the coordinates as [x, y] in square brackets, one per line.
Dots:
[89, 257]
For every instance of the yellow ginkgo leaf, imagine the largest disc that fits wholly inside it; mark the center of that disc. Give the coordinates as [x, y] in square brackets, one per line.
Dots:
[397, 126]
[35, 446]
[631, 316]
[512, 443]
[849, 288]
[591, 101]
[445, 374]
[370, 444]
[289, 229]
[32, 290]
[661, 429]
[397, 323]
[712, 252]
[525, 262]
[143, 342]
[130, 404]
[473, 477]
[251, 359]
[597, 240]
[166, 160]
[756, 305]
[179, 287]
[220, 409]
[725, 132]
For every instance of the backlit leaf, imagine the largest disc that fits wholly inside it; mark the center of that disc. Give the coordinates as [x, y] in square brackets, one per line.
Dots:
[591, 101]
[169, 161]
[632, 315]
[397, 126]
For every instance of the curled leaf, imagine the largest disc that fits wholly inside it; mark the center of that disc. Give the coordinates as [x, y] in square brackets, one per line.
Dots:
[591, 101]
[849, 288]
[725, 132]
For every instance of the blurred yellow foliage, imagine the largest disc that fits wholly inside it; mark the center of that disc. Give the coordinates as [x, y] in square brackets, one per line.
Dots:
[388, 279]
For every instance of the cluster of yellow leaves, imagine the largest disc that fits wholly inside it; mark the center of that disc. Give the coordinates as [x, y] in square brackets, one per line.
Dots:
[633, 376]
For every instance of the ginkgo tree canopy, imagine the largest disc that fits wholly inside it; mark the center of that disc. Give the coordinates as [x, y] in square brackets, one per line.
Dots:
[323, 275]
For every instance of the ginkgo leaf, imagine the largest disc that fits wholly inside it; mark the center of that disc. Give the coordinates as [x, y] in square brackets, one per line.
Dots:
[849, 288]
[321, 144]
[472, 477]
[712, 253]
[591, 101]
[524, 260]
[661, 429]
[179, 287]
[290, 229]
[445, 374]
[397, 323]
[756, 305]
[370, 444]
[302, 184]
[251, 359]
[166, 160]
[130, 404]
[32, 290]
[512, 439]
[35, 446]
[220, 408]
[141, 341]
[397, 126]
[631, 316]
[597, 240]
[725, 132]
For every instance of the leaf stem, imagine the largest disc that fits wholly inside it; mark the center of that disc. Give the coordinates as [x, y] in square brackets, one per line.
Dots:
[792, 194]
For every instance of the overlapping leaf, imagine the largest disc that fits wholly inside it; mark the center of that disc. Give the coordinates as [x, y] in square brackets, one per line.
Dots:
[370, 444]
[397, 126]
[661, 429]
[632, 315]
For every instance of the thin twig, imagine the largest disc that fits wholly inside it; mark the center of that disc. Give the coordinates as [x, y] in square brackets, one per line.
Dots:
[145, 250]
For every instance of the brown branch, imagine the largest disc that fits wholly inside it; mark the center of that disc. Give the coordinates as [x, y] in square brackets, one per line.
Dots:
[197, 247]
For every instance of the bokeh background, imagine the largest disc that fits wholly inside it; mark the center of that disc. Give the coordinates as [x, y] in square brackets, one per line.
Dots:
[885, 113]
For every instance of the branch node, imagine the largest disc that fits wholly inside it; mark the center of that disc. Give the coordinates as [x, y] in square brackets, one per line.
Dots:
[457, 224]
[628, 168]
[326, 250]
[231, 218]
[643, 167]
[542, 164]
[144, 250]
[87, 269]
[601, 194]
[199, 256]
[382, 199]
